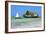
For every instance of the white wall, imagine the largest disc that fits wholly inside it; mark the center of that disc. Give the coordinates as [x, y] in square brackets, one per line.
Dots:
[2, 17]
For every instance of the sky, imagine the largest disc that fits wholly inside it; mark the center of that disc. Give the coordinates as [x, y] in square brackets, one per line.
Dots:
[22, 9]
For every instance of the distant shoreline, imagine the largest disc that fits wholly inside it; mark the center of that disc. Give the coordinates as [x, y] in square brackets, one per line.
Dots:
[22, 17]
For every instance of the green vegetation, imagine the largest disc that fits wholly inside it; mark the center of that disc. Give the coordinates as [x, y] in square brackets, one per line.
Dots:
[29, 14]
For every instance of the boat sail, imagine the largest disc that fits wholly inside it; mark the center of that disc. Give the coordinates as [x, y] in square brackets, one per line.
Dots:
[17, 15]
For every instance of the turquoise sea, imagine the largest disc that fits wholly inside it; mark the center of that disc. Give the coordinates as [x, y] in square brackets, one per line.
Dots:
[25, 22]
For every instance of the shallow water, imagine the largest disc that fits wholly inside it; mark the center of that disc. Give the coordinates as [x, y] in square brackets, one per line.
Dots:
[26, 23]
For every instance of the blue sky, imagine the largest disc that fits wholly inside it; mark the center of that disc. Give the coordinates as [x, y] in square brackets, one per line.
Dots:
[22, 9]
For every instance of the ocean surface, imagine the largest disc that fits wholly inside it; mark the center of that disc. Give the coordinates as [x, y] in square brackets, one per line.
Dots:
[25, 23]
